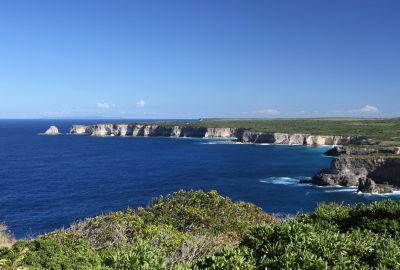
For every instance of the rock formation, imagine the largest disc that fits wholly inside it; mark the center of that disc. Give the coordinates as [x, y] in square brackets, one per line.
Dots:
[240, 134]
[53, 130]
[361, 151]
[370, 174]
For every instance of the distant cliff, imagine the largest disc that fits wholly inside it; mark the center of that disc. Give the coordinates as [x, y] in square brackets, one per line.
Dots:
[242, 135]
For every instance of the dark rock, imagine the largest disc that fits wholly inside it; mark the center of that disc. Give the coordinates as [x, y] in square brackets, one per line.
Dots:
[305, 181]
[348, 180]
[367, 185]
[324, 178]
[335, 151]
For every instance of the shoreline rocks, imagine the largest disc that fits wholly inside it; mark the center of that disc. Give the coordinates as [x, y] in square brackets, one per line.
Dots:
[360, 151]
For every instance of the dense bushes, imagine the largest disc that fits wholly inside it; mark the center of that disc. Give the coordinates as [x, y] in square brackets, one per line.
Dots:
[172, 233]
[334, 237]
[197, 230]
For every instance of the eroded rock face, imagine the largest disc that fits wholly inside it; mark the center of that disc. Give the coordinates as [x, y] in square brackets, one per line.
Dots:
[53, 130]
[295, 139]
[326, 178]
[351, 171]
[242, 135]
[81, 130]
[223, 133]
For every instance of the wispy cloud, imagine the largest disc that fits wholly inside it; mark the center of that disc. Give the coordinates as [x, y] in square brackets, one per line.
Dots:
[104, 105]
[369, 109]
[268, 111]
[140, 103]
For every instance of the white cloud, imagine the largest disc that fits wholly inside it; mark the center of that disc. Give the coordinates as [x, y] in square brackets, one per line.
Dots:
[140, 104]
[103, 105]
[267, 112]
[369, 109]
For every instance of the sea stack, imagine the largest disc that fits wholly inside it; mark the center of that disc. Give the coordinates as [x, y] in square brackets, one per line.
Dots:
[53, 130]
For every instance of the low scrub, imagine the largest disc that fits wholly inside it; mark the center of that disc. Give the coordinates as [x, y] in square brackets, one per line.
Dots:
[198, 230]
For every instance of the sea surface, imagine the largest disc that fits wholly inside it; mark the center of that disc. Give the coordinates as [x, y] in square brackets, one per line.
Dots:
[48, 182]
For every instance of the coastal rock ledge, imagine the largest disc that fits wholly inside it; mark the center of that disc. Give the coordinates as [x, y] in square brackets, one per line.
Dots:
[240, 134]
[369, 174]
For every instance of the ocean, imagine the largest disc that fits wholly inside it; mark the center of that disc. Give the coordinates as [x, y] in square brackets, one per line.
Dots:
[49, 182]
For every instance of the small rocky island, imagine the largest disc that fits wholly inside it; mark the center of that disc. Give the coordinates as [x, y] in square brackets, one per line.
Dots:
[53, 130]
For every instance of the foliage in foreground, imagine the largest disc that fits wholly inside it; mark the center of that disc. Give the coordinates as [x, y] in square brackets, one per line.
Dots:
[197, 230]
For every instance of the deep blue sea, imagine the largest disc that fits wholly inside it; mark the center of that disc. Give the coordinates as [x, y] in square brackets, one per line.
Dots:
[47, 182]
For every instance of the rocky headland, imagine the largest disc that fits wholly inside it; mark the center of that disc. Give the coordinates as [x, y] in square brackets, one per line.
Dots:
[372, 170]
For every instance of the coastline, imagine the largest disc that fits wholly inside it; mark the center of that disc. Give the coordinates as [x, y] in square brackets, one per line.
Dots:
[240, 134]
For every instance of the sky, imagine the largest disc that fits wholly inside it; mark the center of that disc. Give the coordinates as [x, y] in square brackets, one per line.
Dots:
[200, 58]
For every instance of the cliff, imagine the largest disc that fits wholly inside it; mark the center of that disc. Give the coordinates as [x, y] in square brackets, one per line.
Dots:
[370, 174]
[242, 135]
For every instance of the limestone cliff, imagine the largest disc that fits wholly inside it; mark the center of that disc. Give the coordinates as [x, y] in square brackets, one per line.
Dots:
[240, 134]
[299, 139]
[81, 130]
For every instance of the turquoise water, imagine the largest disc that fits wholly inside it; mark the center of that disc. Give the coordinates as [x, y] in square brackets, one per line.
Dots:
[47, 182]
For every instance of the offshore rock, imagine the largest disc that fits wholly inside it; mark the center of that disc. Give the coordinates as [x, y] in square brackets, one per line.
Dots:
[53, 130]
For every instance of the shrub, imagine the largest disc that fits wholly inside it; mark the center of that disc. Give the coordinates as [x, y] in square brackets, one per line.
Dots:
[198, 211]
[49, 253]
[140, 256]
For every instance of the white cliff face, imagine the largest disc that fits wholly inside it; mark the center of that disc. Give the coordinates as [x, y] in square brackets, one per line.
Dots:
[81, 130]
[176, 131]
[53, 130]
[102, 130]
[221, 133]
[137, 130]
[295, 139]
[124, 130]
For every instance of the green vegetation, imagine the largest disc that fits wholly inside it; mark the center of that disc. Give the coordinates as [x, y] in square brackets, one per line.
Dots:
[379, 129]
[198, 230]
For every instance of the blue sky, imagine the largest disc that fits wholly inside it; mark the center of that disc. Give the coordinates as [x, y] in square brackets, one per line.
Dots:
[189, 59]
